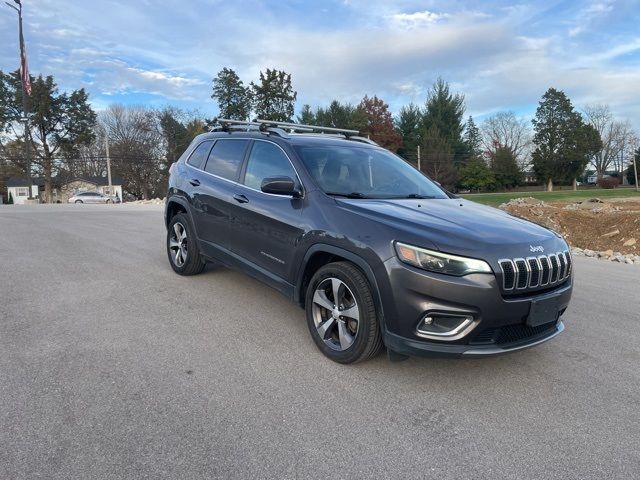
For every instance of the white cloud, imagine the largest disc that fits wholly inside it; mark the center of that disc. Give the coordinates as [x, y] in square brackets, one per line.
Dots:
[585, 17]
[416, 19]
[503, 58]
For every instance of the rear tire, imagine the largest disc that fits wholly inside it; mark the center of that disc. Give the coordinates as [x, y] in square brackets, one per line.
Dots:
[341, 314]
[182, 247]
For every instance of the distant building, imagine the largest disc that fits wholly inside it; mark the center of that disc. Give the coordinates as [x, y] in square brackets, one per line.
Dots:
[62, 188]
[529, 177]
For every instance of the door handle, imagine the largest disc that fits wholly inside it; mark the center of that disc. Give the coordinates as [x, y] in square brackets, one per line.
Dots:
[195, 182]
[240, 198]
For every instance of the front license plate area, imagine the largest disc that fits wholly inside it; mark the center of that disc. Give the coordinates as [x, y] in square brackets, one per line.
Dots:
[543, 311]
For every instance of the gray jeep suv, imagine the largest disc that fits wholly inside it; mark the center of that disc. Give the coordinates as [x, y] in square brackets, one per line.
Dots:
[374, 251]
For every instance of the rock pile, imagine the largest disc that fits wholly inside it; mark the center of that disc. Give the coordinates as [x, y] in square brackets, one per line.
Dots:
[610, 255]
[522, 201]
[593, 204]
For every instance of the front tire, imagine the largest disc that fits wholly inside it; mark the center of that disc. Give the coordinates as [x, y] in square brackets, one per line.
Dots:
[341, 314]
[182, 247]
[78, 201]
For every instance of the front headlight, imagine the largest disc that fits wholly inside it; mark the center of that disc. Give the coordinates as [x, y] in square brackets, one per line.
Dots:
[440, 262]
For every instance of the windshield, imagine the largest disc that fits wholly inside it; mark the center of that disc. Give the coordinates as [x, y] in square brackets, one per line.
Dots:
[361, 172]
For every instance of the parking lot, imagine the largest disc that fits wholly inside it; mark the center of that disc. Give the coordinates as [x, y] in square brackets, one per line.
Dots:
[113, 366]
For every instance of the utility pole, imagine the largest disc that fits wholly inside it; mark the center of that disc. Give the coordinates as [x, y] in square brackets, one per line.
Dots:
[419, 158]
[635, 159]
[106, 144]
[24, 75]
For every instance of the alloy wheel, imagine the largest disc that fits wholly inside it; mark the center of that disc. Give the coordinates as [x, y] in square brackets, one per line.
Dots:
[178, 244]
[336, 315]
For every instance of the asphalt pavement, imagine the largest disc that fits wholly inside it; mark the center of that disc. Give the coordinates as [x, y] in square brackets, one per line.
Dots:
[113, 366]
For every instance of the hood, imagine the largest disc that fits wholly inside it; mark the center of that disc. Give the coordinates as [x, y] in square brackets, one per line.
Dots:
[457, 225]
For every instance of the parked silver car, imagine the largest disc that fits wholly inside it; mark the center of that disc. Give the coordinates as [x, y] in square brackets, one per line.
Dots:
[92, 197]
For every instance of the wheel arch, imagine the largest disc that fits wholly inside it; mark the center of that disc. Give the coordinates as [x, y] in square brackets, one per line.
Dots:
[321, 254]
[174, 206]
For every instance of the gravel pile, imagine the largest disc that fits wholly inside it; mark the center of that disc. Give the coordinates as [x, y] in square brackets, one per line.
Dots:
[610, 255]
[522, 201]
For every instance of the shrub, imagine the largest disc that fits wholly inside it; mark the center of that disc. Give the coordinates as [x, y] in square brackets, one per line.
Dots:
[608, 182]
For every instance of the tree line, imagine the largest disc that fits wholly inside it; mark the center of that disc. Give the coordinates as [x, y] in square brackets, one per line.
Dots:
[556, 146]
[68, 138]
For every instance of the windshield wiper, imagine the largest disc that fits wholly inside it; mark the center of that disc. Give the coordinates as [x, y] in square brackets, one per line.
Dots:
[347, 195]
[415, 195]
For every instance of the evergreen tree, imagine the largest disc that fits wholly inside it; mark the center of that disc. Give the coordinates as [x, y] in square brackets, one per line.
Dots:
[10, 201]
[379, 126]
[174, 133]
[408, 123]
[631, 173]
[505, 168]
[472, 138]
[444, 112]
[341, 115]
[477, 176]
[274, 97]
[562, 142]
[437, 158]
[60, 123]
[234, 99]
[307, 117]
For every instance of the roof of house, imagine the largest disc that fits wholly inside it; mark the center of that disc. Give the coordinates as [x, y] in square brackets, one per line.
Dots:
[59, 181]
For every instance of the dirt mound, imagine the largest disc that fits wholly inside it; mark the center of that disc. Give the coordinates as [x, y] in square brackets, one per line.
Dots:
[593, 224]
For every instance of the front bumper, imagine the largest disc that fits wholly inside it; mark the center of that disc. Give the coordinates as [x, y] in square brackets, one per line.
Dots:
[500, 321]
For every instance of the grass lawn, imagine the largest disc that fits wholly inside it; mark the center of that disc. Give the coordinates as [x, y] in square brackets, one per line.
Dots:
[495, 199]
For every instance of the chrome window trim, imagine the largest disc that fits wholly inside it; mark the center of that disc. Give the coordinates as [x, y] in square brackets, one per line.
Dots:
[242, 184]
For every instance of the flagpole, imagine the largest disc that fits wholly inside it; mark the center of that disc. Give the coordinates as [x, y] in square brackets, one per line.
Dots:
[25, 105]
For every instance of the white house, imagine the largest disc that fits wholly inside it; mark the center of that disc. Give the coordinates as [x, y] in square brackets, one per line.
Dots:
[62, 188]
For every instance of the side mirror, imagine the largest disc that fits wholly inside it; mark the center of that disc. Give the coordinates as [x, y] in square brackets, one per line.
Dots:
[280, 186]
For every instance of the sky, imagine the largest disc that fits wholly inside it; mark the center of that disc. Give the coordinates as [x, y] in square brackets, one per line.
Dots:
[500, 55]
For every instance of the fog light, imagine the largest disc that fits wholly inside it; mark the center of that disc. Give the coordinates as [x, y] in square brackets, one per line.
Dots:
[444, 325]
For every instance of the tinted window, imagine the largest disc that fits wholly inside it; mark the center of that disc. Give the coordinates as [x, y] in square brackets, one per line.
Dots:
[199, 155]
[366, 172]
[266, 160]
[225, 158]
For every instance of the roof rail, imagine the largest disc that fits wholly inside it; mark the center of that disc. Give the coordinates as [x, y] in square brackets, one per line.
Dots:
[307, 128]
[281, 128]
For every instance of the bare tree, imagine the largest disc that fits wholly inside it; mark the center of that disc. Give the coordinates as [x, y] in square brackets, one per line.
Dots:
[616, 137]
[136, 148]
[506, 130]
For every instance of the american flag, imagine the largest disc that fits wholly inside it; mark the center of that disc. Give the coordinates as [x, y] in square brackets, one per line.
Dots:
[24, 66]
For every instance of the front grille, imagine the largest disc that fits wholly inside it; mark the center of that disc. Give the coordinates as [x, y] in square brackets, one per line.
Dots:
[510, 333]
[531, 272]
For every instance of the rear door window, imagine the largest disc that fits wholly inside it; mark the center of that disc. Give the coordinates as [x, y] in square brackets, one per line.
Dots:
[199, 155]
[226, 158]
